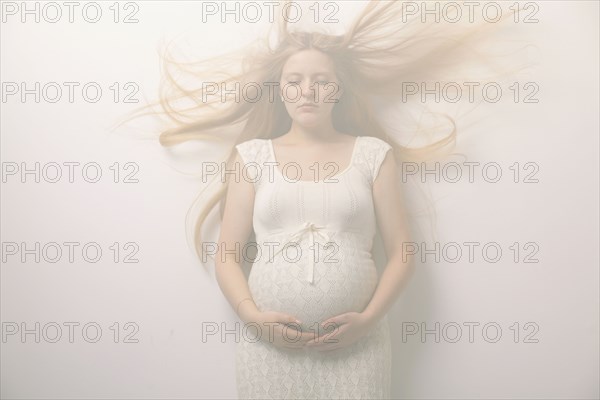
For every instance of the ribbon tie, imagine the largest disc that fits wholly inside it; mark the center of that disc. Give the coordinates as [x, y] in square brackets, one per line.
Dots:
[312, 230]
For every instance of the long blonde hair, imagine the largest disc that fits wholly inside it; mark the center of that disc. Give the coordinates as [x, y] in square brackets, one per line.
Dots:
[382, 50]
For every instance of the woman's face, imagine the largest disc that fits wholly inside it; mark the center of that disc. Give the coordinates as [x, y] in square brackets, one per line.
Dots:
[308, 77]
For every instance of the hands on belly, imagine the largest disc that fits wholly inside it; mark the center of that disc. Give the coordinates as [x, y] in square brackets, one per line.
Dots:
[284, 331]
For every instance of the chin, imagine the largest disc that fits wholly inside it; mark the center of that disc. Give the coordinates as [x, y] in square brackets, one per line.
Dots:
[309, 118]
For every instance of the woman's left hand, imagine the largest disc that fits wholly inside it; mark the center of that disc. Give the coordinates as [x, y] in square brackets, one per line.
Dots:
[341, 331]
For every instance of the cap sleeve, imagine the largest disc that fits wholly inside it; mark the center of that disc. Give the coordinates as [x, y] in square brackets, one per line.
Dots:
[246, 151]
[253, 153]
[378, 152]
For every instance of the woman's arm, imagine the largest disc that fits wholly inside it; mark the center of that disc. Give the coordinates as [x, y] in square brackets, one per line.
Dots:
[236, 227]
[235, 230]
[393, 225]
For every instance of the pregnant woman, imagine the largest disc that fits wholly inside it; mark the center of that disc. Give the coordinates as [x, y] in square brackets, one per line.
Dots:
[319, 181]
[325, 283]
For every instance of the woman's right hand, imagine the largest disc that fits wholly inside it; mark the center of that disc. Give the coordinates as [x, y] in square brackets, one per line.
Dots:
[279, 329]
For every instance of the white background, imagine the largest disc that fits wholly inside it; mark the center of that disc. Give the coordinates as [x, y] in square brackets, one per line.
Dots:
[169, 295]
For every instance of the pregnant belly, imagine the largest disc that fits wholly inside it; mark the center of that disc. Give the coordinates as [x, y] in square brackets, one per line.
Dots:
[341, 284]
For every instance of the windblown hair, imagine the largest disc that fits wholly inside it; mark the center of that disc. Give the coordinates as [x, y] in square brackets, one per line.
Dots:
[382, 50]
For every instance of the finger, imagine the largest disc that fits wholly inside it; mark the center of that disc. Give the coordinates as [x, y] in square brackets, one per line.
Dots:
[286, 318]
[315, 340]
[329, 322]
[322, 347]
[338, 319]
[306, 338]
[332, 324]
[333, 337]
[294, 331]
[325, 340]
[292, 335]
[293, 342]
[282, 316]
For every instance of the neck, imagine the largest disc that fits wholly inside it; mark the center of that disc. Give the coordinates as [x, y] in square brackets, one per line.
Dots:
[305, 134]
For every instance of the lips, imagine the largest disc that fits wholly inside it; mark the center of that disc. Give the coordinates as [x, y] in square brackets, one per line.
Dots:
[307, 107]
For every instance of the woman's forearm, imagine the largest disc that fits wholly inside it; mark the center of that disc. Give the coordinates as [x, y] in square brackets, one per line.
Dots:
[234, 286]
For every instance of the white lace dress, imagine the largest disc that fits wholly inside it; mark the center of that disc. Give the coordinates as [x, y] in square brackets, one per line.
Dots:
[327, 270]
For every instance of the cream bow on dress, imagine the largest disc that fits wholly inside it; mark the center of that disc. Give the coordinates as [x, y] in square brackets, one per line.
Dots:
[295, 236]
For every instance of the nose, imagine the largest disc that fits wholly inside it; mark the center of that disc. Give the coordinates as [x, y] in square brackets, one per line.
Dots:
[309, 91]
